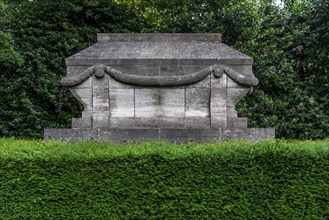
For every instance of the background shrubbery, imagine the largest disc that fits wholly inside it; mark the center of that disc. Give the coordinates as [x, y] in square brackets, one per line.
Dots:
[289, 45]
[238, 180]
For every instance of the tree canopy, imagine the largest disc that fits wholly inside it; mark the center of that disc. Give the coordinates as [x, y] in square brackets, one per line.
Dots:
[289, 44]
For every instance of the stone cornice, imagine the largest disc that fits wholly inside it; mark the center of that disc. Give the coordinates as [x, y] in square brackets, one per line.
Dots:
[177, 80]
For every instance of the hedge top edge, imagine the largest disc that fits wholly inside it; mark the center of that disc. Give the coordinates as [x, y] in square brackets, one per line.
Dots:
[14, 149]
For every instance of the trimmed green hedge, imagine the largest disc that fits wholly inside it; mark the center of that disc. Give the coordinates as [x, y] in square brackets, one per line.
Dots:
[231, 180]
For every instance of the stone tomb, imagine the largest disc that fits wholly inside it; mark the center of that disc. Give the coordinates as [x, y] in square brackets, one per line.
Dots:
[172, 87]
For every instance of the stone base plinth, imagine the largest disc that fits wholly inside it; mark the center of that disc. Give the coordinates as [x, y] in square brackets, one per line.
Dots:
[170, 135]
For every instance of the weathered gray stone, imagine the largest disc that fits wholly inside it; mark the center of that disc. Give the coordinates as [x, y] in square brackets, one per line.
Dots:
[125, 135]
[173, 70]
[101, 105]
[254, 134]
[152, 49]
[74, 70]
[161, 122]
[205, 83]
[85, 97]
[159, 134]
[174, 87]
[71, 135]
[139, 70]
[172, 123]
[172, 102]
[85, 123]
[114, 84]
[122, 103]
[147, 102]
[237, 122]
[162, 80]
[197, 123]
[159, 37]
[218, 100]
[134, 123]
[197, 103]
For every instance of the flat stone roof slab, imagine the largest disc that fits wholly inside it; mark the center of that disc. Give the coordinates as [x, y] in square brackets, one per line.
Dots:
[154, 49]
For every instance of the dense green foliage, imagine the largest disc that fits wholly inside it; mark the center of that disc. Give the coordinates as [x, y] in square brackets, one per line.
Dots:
[289, 45]
[46, 32]
[9, 57]
[293, 70]
[238, 180]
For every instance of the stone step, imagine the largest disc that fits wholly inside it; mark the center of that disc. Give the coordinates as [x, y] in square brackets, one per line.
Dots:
[170, 135]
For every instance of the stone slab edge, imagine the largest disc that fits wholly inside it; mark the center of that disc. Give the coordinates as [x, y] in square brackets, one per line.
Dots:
[159, 37]
[170, 135]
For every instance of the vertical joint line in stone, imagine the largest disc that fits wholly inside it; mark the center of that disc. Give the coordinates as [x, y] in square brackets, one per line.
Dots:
[226, 88]
[185, 106]
[210, 115]
[109, 111]
[134, 89]
[92, 102]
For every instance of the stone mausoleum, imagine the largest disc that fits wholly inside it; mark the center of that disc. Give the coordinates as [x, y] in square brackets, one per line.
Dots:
[172, 87]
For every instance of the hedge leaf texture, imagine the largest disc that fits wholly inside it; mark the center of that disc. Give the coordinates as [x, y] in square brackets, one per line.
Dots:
[155, 180]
